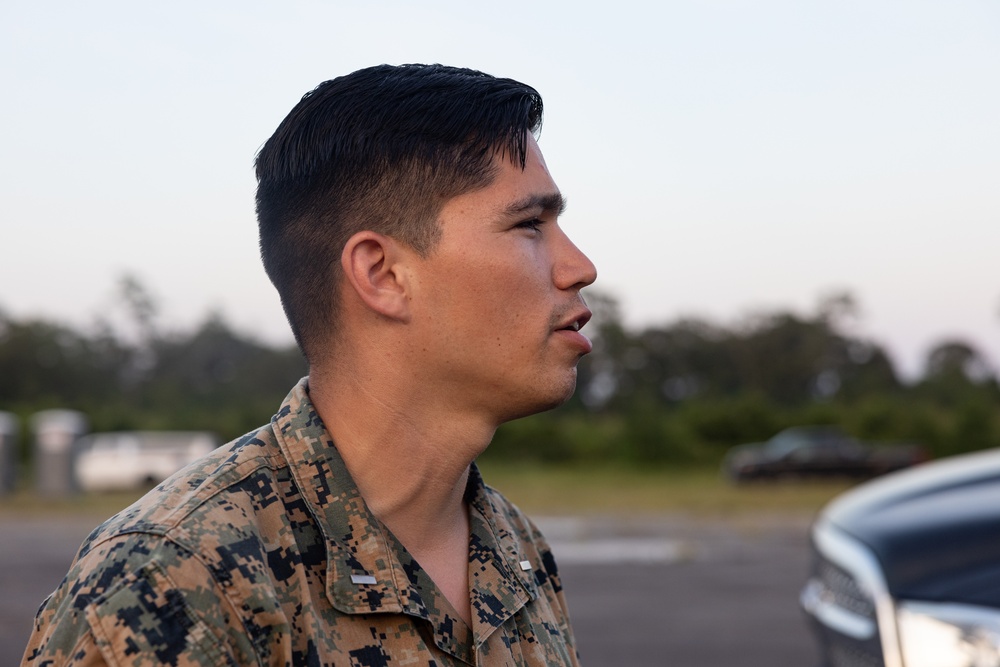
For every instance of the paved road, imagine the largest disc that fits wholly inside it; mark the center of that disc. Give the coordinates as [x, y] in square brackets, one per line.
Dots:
[653, 591]
[705, 594]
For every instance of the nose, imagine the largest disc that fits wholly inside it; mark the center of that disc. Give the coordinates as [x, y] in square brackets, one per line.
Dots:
[572, 269]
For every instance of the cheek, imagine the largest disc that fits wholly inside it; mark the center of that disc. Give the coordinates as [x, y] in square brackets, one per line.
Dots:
[526, 265]
[516, 303]
[498, 296]
[517, 287]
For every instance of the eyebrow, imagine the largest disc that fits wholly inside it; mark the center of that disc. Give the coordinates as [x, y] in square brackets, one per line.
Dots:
[548, 203]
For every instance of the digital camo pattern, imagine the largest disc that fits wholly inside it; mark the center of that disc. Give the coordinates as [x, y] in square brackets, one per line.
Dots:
[247, 556]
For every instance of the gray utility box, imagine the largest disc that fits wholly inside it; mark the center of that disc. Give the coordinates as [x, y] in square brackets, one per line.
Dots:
[9, 430]
[56, 433]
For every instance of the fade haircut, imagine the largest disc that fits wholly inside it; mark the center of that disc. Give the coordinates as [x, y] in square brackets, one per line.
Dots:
[381, 149]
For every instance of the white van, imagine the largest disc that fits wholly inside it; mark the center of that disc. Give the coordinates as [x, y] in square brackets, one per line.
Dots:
[136, 459]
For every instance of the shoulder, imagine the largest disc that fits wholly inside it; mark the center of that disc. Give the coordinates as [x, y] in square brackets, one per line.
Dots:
[133, 594]
[219, 514]
[196, 493]
[161, 575]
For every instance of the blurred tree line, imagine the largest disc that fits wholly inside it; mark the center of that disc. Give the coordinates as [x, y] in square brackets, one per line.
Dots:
[136, 376]
[679, 393]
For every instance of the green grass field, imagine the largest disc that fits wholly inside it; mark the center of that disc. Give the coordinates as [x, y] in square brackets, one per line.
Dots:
[612, 490]
[561, 490]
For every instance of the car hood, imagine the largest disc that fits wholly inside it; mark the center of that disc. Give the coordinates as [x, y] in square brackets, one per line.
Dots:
[934, 528]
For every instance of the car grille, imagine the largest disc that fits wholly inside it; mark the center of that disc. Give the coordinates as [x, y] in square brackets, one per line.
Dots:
[844, 589]
[837, 588]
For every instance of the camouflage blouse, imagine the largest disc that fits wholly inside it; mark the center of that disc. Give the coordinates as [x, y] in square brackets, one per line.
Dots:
[264, 553]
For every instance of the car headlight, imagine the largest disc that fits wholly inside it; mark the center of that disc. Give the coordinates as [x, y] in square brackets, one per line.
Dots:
[948, 635]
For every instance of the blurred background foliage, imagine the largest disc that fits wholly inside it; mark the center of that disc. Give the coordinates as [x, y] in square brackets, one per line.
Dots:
[680, 393]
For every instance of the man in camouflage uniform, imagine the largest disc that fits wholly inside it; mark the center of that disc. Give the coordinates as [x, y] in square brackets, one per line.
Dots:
[410, 226]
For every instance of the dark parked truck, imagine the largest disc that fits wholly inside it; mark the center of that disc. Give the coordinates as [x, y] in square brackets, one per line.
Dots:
[814, 451]
[906, 569]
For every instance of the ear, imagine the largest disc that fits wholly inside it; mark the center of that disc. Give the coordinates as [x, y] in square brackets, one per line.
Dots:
[372, 266]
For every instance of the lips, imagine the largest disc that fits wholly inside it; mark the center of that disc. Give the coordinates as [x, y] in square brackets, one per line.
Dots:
[576, 321]
[570, 330]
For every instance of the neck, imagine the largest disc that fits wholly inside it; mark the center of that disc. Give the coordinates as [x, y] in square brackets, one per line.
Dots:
[408, 454]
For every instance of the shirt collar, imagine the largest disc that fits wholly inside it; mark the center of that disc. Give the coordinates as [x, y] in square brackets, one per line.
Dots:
[369, 571]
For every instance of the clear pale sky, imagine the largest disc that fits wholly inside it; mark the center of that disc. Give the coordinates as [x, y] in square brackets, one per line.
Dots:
[719, 158]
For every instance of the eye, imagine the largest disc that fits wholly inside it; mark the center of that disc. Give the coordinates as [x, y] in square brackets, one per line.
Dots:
[534, 225]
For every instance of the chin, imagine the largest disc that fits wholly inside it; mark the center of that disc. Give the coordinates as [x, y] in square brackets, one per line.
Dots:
[531, 403]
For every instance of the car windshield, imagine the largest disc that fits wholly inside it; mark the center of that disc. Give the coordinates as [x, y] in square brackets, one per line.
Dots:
[783, 443]
[796, 438]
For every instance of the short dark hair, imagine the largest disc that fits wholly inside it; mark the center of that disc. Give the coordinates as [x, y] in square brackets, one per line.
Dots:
[382, 149]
